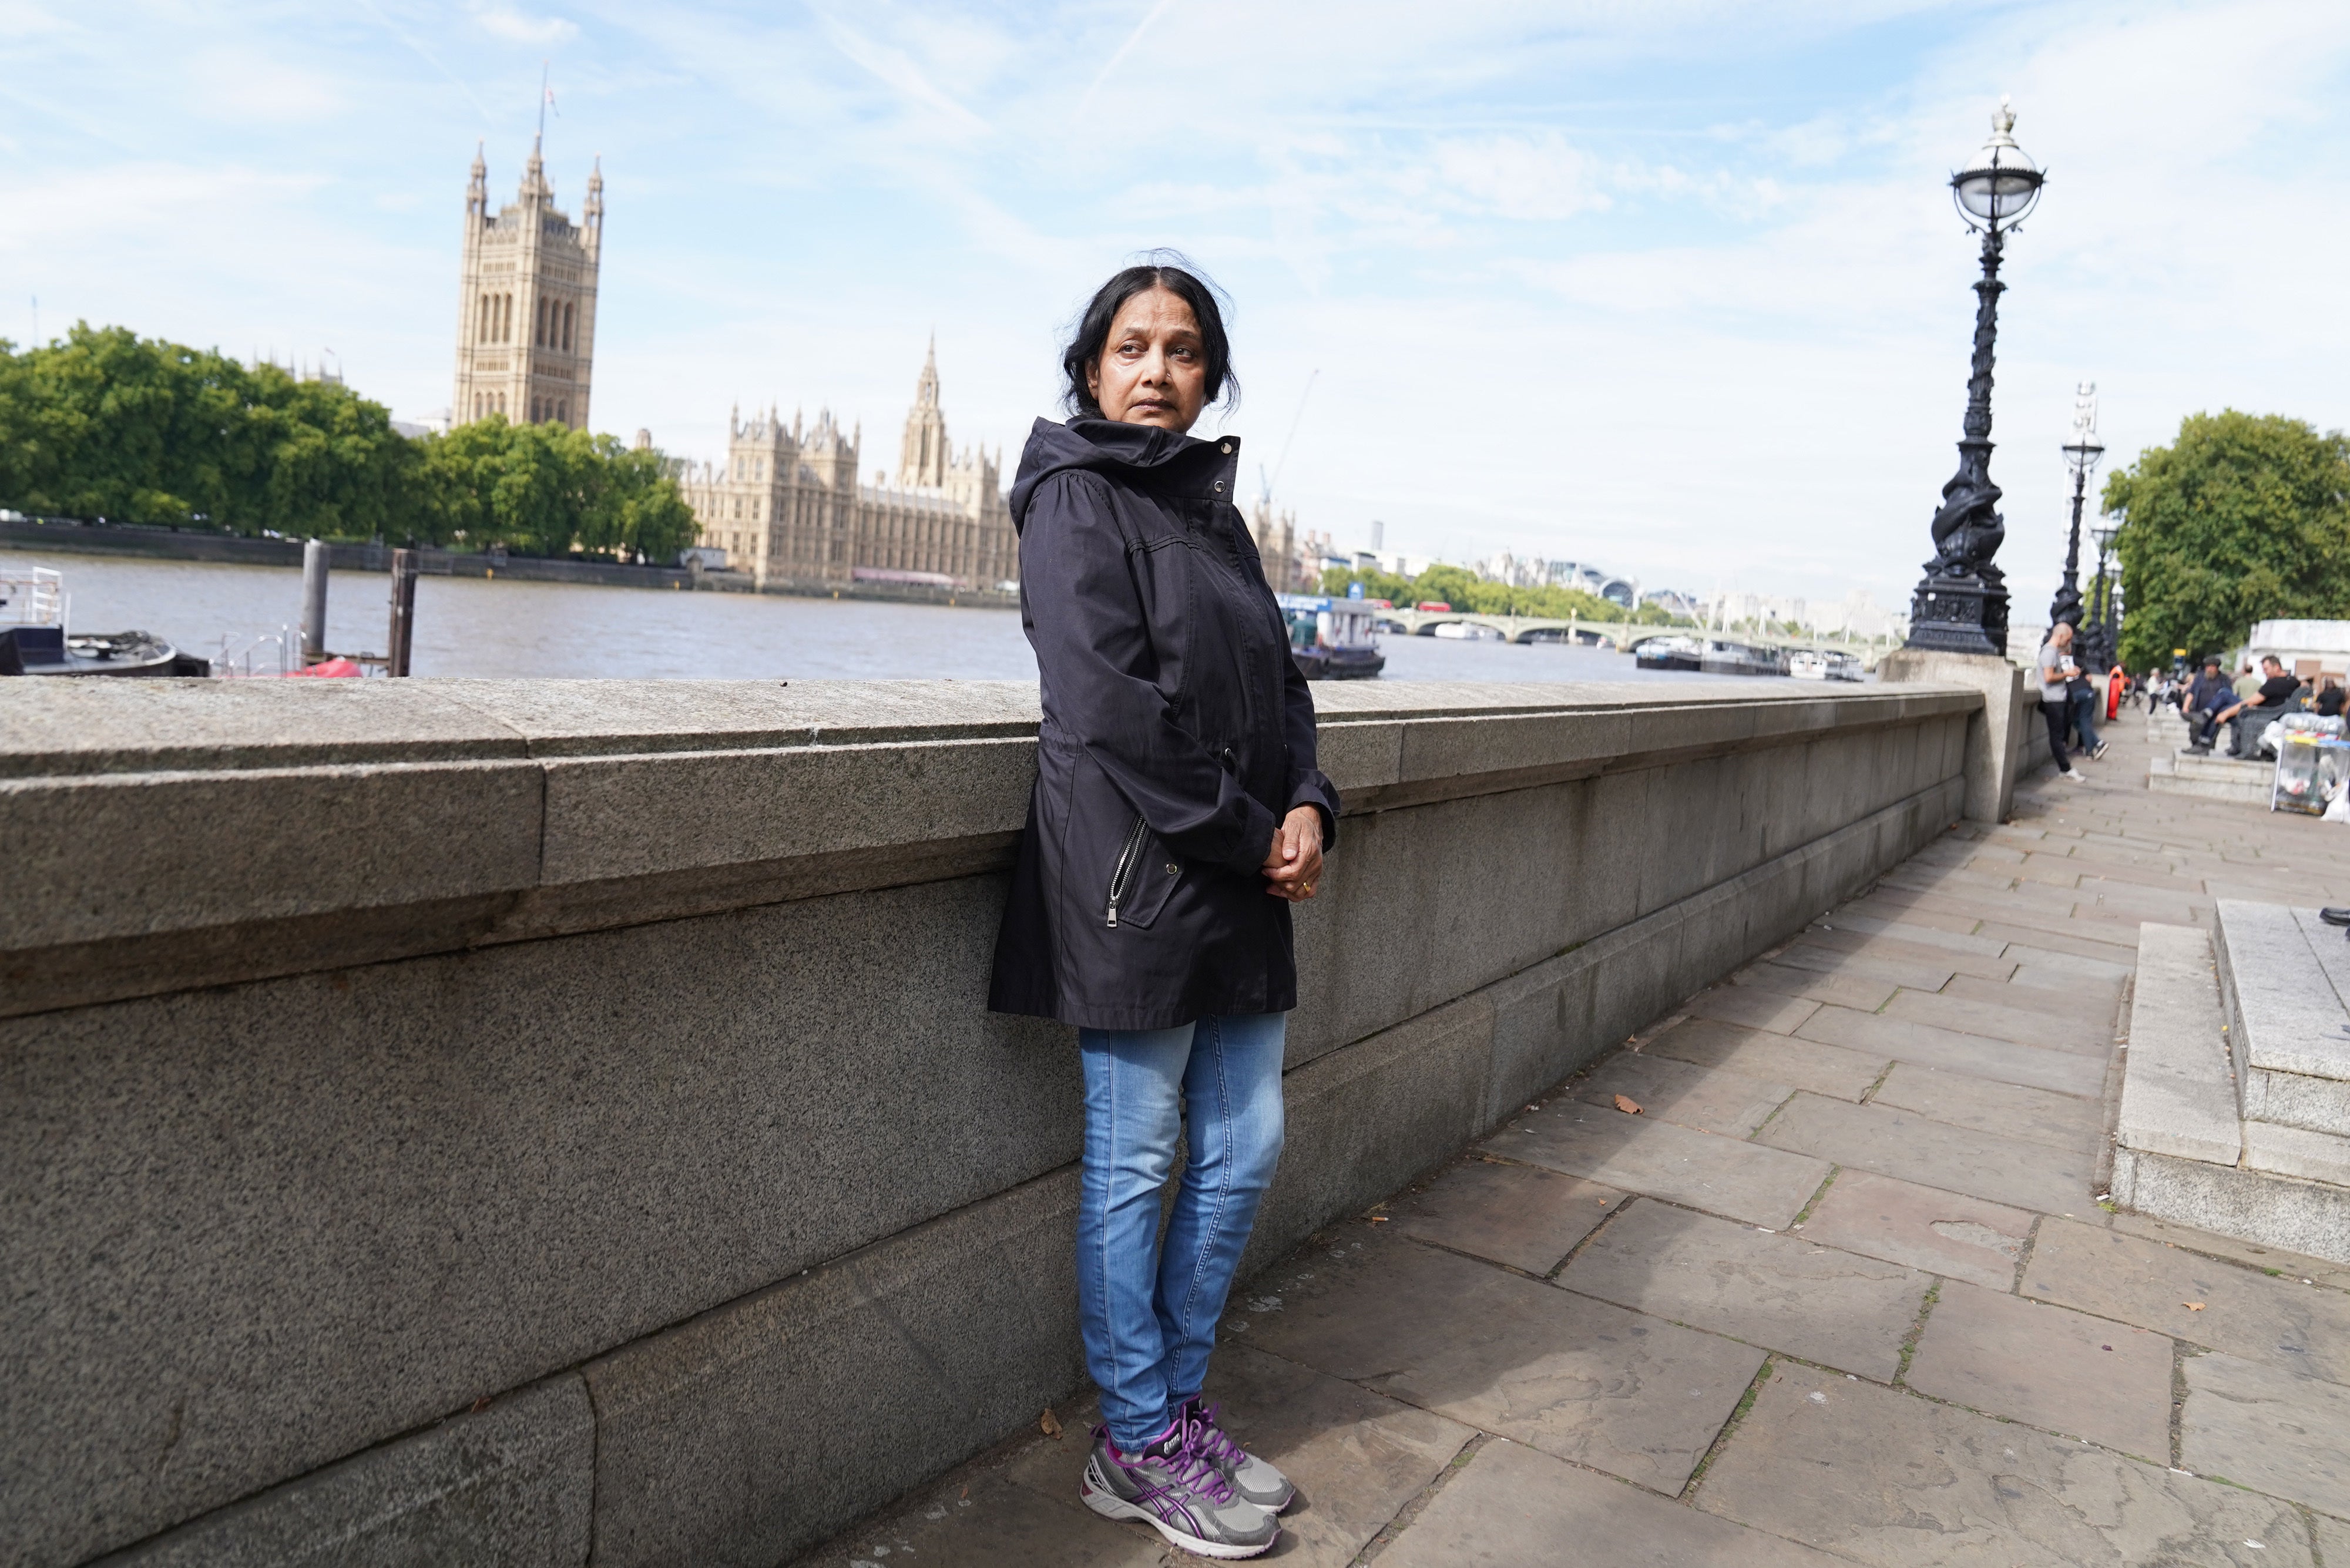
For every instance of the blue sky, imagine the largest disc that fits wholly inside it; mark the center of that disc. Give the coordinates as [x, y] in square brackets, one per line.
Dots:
[1674, 286]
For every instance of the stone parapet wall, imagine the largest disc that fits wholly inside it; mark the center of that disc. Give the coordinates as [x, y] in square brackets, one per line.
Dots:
[555, 1122]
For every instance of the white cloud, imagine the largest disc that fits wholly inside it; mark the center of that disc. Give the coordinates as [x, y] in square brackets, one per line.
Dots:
[521, 28]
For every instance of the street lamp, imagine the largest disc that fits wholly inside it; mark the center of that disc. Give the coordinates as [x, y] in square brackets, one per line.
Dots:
[2107, 620]
[1960, 605]
[2081, 455]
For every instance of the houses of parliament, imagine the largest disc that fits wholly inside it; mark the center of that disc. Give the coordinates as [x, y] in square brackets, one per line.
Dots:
[786, 503]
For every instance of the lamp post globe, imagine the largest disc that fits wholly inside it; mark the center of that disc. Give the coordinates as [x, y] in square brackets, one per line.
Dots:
[1960, 605]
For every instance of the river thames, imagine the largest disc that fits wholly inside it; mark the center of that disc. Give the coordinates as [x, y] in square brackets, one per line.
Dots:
[567, 631]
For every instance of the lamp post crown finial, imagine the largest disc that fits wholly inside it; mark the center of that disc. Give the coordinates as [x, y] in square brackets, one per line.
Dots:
[2003, 120]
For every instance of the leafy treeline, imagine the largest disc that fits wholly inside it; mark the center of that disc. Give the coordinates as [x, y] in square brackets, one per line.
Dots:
[105, 424]
[1464, 589]
[2244, 518]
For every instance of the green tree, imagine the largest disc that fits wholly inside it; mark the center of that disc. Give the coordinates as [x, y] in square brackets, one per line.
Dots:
[2244, 517]
[547, 490]
[104, 424]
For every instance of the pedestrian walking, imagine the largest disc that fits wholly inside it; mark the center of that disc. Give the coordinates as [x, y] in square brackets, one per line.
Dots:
[1178, 812]
[2055, 698]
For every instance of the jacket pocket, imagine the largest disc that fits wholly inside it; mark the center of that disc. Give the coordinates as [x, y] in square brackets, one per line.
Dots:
[1141, 879]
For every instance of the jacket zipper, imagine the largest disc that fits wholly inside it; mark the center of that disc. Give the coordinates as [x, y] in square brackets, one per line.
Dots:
[1125, 871]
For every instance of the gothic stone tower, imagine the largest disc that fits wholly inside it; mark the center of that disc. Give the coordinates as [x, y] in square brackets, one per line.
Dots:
[527, 309]
[923, 456]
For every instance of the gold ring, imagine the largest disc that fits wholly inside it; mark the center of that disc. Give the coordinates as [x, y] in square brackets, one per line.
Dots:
[1307, 889]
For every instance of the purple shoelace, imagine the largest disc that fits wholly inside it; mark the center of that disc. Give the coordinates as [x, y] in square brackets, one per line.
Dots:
[1189, 1465]
[1202, 1431]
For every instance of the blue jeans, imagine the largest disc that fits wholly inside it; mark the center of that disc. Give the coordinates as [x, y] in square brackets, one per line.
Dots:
[1148, 1312]
[2084, 707]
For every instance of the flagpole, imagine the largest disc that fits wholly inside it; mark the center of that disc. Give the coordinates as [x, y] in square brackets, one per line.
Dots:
[543, 66]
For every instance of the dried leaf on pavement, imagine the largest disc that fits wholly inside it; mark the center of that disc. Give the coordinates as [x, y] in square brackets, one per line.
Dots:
[2192, 1307]
[1627, 1105]
[1048, 1423]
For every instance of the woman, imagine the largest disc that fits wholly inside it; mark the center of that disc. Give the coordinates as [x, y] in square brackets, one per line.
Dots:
[1177, 815]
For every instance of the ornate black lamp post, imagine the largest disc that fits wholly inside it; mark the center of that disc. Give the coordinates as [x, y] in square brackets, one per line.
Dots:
[2081, 455]
[2105, 613]
[1960, 605]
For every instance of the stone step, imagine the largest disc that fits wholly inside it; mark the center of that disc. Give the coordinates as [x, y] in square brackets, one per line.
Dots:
[2297, 1151]
[2282, 974]
[2181, 1151]
[2221, 769]
[2210, 777]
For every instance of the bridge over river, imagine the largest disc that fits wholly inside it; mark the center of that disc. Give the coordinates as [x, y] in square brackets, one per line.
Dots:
[1618, 635]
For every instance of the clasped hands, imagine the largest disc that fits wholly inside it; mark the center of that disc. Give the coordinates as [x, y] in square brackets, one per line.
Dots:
[1292, 867]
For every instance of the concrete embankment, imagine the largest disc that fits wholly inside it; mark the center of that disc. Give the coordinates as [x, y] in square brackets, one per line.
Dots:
[558, 1122]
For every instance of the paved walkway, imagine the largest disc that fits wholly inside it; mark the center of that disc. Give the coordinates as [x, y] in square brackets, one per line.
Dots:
[1839, 1292]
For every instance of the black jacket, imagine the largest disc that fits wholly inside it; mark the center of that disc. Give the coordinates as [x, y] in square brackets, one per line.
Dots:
[1176, 734]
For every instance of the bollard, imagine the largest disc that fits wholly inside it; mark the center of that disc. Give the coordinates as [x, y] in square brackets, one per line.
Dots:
[403, 610]
[314, 601]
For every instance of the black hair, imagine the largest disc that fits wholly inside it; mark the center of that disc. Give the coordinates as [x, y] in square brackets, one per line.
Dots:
[1173, 272]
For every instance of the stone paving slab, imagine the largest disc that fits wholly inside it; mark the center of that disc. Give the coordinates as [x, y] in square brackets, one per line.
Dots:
[2048, 1367]
[1844, 990]
[1753, 1009]
[1829, 1070]
[1850, 918]
[2084, 1001]
[1993, 1021]
[2268, 1259]
[2333, 1539]
[1903, 907]
[1510, 1504]
[1720, 1175]
[1941, 1232]
[2263, 1427]
[1574, 1376]
[2064, 972]
[2008, 1110]
[1866, 966]
[2278, 1321]
[1355, 1457]
[1931, 955]
[1710, 1101]
[1780, 1291]
[1888, 1478]
[1520, 1215]
[1894, 1142]
[2038, 946]
[2002, 1061]
[987, 1521]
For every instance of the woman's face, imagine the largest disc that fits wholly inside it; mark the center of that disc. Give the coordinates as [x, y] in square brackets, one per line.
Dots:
[1153, 371]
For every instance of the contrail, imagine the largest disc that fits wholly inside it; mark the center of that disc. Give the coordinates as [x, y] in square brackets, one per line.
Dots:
[1116, 59]
[393, 29]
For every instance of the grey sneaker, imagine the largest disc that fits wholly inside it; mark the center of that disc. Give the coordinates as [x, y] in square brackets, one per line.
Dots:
[1255, 1480]
[1172, 1487]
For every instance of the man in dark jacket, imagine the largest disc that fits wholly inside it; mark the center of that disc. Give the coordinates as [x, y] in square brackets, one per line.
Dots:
[2205, 697]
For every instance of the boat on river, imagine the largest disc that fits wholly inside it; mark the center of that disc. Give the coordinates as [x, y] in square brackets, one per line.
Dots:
[1668, 651]
[1823, 664]
[1724, 656]
[1333, 638]
[34, 639]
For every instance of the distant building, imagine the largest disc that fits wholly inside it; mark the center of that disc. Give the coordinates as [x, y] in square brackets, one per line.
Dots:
[526, 301]
[786, 501]
[1281, 548]
[2309, 649]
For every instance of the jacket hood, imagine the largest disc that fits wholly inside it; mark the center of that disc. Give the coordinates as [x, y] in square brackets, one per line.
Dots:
[1144, 456]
